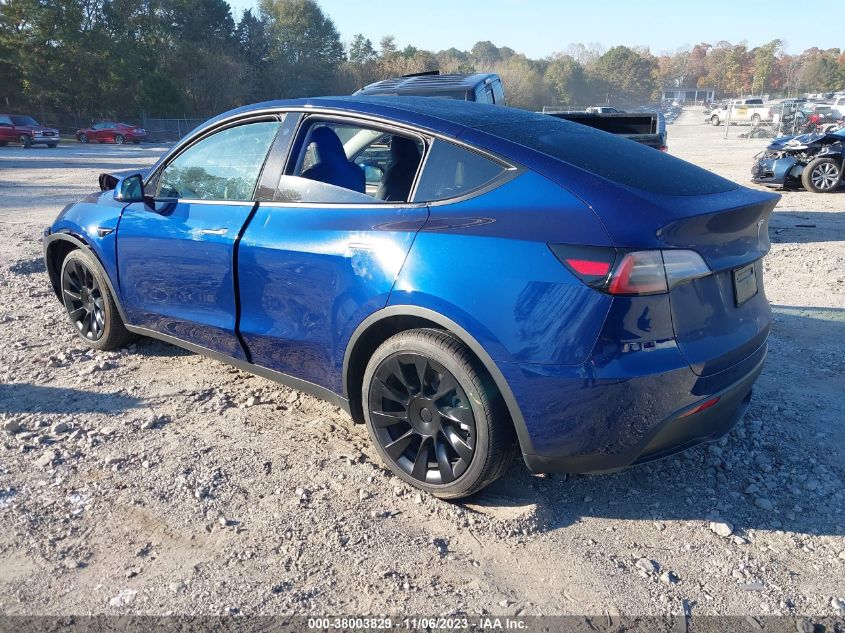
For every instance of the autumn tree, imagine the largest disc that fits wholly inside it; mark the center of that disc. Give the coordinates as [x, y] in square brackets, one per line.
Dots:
[628, 76]
[567, 81]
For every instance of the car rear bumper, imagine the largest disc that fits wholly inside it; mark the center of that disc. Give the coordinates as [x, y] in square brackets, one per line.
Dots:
[635, 420]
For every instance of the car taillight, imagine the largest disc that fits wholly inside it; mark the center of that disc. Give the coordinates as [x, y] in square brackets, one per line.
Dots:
[639, 273]
[591, 264]
[683, 265]
[631, 273]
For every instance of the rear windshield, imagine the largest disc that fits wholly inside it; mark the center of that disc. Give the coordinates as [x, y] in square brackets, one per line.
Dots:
[617, 159]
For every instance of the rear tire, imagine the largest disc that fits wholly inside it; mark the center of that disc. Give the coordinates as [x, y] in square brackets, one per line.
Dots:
[89, 303]
[714, 120]
[434, 416]
[822, 175]
[26, 141]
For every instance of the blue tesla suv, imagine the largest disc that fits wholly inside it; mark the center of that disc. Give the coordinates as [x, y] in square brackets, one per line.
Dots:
[467, 280]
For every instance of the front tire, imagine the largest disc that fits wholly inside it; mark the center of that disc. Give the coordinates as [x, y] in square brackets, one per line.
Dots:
[83, 138]
[755, 120]
[714, 120]
[118, 138]
[52, 145]
[89, 303]
[26, 141]
[435, 417]
[822, 175]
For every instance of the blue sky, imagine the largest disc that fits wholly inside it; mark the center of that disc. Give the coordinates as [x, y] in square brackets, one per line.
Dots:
[541, 27]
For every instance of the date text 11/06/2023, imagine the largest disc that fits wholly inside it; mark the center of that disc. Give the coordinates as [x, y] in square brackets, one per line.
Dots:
[489, 623]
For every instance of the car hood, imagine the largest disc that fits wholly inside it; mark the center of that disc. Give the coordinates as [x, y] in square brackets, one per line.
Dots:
[36, 128]
[802, 141]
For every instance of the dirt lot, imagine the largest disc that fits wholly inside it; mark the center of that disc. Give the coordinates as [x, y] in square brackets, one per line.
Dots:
[154, 481]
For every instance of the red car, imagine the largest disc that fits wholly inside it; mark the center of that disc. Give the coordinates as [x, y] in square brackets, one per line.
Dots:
[111, 132]
[18, 128]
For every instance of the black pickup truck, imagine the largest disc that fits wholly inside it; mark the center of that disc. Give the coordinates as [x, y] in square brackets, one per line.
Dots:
[648, 128]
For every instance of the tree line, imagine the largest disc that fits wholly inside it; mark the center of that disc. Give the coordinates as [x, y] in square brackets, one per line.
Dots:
[174, 58]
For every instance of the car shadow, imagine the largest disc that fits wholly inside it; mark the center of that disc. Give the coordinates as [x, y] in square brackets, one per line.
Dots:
[780, 468]
[800, 227]
[28, 266]
[27, 398]
[159, 349]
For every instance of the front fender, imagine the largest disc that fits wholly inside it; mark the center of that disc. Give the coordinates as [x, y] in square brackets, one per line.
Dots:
[91, 223]
[55, 240]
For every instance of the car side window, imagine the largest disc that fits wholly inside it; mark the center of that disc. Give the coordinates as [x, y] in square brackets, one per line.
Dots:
[4, 120]
[350, 163]
[498, 93]
[223, 166]
[451, 171]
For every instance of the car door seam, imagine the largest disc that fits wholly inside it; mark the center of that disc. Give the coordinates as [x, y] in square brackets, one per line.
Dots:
[407, 255]
[236, 281]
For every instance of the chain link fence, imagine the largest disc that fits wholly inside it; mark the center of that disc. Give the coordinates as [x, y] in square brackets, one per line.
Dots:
[168, 130]
[773, 118]
[158, 130]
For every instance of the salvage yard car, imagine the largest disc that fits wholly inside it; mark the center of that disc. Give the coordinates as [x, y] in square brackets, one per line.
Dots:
[111, 132]
[814, 161]
[740, 111]
[17, 128]
[505, 281]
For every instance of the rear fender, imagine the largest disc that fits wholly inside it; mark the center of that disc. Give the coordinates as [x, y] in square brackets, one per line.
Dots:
[465, 336]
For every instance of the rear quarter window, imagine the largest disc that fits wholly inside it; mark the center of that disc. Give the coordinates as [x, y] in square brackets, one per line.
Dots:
[452, 171]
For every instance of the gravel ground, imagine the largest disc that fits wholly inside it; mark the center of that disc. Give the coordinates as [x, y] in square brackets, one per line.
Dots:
[153, 481]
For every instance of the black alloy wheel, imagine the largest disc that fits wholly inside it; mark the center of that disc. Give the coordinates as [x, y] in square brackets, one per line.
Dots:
[422, 418]
[84, 301]
[87, 297]
[83, 138]
[118, 138]
[434, 414]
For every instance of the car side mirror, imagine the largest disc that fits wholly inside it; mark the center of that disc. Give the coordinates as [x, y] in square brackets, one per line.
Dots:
[130, 189]
[372, 174]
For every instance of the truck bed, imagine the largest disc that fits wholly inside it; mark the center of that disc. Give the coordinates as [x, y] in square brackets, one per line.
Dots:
[642, 127]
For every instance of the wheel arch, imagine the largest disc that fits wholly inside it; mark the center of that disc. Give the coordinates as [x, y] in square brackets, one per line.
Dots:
[56, 248]
[381, 325]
